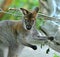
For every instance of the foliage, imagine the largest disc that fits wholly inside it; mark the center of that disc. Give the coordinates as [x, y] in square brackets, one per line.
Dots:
[39, 22]
[55, 55]
[24, 3]
[28, 4]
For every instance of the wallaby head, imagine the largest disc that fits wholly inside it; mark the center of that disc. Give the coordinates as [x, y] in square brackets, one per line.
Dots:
[29, 17]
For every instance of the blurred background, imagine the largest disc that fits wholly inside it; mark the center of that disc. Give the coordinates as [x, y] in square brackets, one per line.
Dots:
[15, 14]
[8, 14]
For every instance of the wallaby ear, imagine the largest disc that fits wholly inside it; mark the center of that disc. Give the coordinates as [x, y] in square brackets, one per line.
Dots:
[35, 11]
[24, 11]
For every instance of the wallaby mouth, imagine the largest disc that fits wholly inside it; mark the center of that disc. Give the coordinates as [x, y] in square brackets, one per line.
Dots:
[28, 27]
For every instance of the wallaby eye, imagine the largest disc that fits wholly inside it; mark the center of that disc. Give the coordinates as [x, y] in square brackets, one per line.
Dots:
[26, 20]
[32, 21]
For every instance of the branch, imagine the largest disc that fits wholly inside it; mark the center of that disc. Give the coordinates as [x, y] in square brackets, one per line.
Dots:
[5, 6]
[14, 9]
[44, 5]
[46, 17]
[36, 35]
[51, 38]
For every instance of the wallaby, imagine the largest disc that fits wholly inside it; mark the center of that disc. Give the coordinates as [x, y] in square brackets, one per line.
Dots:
[13, 34]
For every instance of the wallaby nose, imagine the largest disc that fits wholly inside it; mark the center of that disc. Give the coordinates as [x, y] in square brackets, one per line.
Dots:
[28, 27]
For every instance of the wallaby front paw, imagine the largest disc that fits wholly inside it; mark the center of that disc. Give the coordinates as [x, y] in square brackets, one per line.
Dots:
[51, 38]
[34, 47]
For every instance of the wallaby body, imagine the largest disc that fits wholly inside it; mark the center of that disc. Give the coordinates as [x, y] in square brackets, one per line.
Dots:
[10, 36]
[13, 34]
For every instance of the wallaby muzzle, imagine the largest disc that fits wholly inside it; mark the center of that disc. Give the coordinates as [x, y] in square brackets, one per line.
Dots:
[28, 27]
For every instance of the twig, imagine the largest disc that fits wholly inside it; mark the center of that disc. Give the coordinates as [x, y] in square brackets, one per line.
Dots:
[14, 9]
[1, 11]
[46, 17]
[43, 31]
